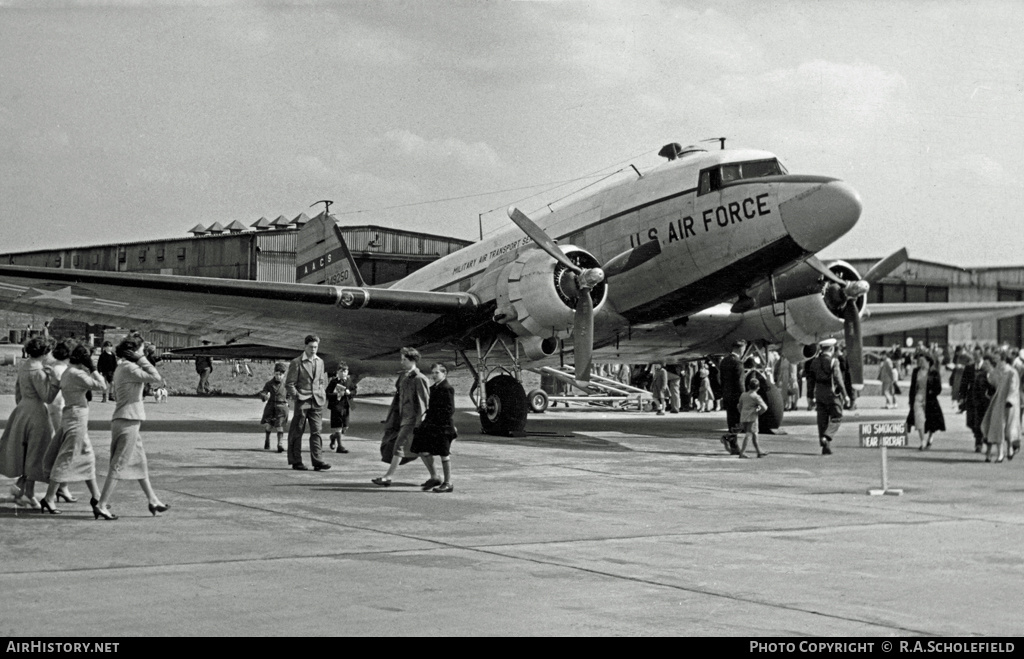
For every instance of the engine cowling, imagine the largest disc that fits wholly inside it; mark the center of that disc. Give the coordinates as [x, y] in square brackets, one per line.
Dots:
[536, 295]
[811, 318]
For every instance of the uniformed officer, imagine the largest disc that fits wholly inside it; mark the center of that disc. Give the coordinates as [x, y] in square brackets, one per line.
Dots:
[829, 393]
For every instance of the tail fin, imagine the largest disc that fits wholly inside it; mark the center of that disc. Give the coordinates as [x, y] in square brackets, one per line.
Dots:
[322, 257]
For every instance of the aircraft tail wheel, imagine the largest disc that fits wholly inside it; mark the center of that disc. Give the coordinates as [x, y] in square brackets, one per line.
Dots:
[538, 399]
[505, 407]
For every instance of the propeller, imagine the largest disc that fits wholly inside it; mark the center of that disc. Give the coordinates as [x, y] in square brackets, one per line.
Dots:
[846, 293]
[585, 279]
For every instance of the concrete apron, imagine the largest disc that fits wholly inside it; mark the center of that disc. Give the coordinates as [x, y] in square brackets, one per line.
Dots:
[616, 523]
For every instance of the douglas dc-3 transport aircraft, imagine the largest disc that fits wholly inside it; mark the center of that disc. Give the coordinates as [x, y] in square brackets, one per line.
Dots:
[676, 263]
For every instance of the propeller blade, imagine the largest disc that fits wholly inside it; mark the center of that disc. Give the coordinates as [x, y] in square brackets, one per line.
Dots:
[583, 334]
[816, 263]
[854, 344]
[886, 265]
[632, 258]
[542, 239]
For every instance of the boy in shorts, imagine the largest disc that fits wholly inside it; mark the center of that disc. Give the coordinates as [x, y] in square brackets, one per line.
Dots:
[275, 412]
[751, 407]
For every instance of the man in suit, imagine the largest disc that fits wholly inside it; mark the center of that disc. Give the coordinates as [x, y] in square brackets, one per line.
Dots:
[731, 374]
[306, 384]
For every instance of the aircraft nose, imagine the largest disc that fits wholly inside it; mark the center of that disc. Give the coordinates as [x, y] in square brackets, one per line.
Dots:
[820, 213]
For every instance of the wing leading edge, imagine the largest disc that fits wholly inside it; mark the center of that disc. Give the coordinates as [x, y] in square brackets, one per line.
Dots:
[890, 317]
[267, 312]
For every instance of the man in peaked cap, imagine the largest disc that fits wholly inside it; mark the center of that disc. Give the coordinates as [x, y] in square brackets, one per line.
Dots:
[829, 393]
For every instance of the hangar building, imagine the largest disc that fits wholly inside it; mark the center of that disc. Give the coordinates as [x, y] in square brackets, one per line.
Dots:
[927, 281]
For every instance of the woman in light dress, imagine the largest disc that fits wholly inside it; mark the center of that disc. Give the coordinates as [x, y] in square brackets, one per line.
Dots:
[127, 456]
[73, 458]
[1001, 423]
[59, 357]
[887, 374]
[28, 431]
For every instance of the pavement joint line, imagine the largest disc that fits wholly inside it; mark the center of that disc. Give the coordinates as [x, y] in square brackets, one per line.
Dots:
[482, 549]
[705, 592]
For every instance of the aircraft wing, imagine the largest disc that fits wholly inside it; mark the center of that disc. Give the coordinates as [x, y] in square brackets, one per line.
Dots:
[366, 321]
[885, 318]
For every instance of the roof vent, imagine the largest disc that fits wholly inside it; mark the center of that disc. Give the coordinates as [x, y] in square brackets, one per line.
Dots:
[673, 151]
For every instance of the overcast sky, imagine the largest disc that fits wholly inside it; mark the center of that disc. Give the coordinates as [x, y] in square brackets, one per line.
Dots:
[133, 121]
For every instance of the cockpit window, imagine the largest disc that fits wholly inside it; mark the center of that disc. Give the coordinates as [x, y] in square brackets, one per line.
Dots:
[713, 178]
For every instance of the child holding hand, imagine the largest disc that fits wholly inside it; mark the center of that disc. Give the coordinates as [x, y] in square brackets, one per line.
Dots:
[751, 407]
[275, 412]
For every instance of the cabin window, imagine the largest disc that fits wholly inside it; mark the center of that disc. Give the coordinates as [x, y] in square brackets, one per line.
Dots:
[160, 254]
[181, 253]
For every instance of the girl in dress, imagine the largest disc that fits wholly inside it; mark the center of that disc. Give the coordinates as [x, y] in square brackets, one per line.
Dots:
[28, 431]
[74, 460]
[127, 456]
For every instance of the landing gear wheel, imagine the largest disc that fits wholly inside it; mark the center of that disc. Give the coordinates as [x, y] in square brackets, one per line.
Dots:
[538, 399]
[505, 406]
[770, 421]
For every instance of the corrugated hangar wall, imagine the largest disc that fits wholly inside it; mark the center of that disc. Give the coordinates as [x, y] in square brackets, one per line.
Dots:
[382, 254]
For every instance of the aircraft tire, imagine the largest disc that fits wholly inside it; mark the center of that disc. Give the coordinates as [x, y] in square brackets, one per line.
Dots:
[772, 418]
[505, 407]
[538, 399]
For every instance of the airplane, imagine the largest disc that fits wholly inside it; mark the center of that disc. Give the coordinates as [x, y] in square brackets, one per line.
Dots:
[674, 263]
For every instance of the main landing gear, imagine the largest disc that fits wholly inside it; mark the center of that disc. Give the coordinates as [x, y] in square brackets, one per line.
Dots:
[498, 392]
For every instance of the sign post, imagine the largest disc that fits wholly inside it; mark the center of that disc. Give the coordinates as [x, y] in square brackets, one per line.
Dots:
[884, 435]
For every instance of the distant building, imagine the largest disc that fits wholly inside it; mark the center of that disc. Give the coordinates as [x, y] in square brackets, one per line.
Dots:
[927, 281]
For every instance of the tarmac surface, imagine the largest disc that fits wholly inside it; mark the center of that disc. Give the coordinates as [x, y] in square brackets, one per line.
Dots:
[611, 523]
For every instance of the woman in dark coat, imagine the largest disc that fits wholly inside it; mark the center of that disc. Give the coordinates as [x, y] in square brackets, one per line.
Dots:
[925, 412]
[435, 435]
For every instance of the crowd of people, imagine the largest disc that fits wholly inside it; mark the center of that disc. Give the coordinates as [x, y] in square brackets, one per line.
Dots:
[46, 438]
[975, 376]
[419, 422]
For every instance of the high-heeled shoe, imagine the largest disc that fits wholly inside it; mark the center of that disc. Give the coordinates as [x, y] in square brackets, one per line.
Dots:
[105, 514]
[94, 502]
[45, 507]
[162, 508]
[68, 498]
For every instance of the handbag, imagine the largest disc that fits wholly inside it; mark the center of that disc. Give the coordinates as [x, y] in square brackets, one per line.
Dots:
[896, 388]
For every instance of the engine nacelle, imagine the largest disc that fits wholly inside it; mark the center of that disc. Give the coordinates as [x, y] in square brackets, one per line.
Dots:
[812, 318]
[536, 295]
